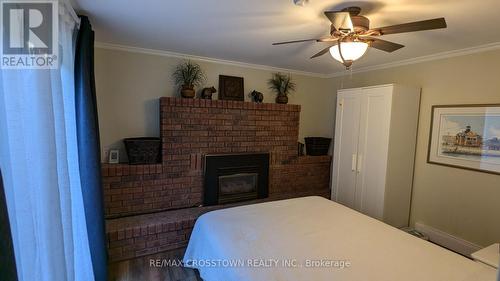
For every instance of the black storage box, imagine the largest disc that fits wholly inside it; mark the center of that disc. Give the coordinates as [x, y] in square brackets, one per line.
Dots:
[317, 146]
[143, 150]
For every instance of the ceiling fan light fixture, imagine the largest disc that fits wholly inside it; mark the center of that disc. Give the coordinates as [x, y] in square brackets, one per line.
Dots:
[348, 52]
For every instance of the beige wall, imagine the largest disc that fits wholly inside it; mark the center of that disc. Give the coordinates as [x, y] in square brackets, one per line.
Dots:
[129, 86]
[460, 202]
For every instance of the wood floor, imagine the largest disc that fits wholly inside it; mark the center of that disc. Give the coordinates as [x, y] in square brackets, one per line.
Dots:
[140, 269]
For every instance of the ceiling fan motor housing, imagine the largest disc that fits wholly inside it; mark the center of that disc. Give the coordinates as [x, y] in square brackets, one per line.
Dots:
[353, 10]
[360, 23]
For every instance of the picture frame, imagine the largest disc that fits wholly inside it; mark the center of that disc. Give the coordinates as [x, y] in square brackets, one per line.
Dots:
[465, 137]
[114, 156]
[231, 88]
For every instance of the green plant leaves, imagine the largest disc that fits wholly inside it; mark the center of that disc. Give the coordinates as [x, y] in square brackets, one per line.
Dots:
[282, 83]
[189, 74]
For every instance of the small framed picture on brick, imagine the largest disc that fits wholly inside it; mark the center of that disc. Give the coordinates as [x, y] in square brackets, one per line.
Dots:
[114, 156]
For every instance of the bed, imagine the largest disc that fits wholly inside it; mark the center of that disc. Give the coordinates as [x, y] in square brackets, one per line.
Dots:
[313, 238]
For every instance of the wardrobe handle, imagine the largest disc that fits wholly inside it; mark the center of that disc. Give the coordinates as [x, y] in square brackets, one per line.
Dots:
[360, 160]
[354, 162]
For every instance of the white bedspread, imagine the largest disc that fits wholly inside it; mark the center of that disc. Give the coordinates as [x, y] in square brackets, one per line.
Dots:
[280, 240]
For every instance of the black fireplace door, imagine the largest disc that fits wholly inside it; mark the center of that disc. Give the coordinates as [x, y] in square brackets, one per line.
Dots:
[235, 177]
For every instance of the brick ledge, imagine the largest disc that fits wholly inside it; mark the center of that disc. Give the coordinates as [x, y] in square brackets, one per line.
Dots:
[141, 235]
[110, 170]
[227, 104]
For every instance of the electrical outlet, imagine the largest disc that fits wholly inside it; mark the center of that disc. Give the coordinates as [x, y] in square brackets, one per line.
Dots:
[105, 154]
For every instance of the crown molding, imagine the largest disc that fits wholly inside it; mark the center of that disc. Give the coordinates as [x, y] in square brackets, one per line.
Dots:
[108, 46]
[433, 57]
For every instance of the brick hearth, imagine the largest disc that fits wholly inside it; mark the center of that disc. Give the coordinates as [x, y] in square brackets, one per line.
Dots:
[190, 129]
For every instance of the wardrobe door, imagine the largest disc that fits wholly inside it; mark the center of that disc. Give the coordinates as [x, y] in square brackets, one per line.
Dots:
[373, 150]
[346, 146]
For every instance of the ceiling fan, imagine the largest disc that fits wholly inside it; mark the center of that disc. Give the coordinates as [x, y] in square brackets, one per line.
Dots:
[350, 35]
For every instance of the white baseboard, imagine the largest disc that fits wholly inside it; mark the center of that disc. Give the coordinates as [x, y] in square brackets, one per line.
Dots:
[448, 241]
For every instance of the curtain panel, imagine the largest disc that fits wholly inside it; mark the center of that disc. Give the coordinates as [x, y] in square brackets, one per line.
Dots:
[39, 158]
[89, 150]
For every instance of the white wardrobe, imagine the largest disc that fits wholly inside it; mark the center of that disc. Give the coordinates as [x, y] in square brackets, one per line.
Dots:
[374, 154]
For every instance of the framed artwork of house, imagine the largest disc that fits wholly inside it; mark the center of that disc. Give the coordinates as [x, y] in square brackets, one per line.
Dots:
[466, 136]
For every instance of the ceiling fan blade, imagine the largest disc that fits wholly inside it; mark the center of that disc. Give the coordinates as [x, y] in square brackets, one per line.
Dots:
[322, 52]
[412, 26]
[322, 39]
[340, 20]
[295, 41]
[384, 45]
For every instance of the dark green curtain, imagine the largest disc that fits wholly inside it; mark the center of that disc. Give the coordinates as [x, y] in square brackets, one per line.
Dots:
[8, 270]
[89, 147]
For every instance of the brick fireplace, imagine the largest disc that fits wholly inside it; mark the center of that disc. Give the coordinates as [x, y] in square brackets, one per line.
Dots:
[150, 208]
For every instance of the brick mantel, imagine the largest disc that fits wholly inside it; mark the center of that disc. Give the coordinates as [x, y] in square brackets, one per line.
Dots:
[215, 126]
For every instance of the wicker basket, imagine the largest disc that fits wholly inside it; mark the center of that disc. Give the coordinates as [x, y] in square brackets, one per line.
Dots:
[316, 146]
[143, 150]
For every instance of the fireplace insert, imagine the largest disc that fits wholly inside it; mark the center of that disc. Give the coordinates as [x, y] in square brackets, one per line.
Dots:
[235, 177]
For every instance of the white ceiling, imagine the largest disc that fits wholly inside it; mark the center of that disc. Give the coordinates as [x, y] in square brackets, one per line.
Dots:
[243, 30]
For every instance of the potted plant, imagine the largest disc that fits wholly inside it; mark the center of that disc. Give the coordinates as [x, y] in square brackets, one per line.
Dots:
[188, 75]
[283, 85]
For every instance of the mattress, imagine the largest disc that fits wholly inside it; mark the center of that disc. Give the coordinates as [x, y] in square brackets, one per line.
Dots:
[313, 238]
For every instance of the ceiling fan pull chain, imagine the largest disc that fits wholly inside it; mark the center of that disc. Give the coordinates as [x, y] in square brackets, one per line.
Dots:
[340, 52]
